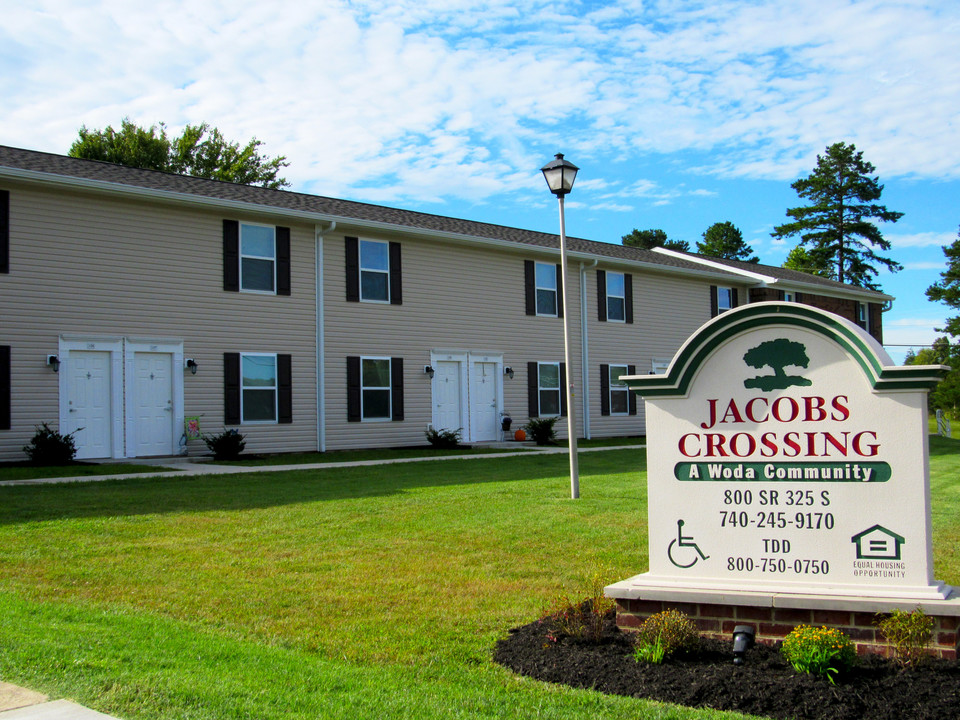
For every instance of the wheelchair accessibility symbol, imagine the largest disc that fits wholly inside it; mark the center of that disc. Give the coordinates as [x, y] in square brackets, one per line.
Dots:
[682, 551]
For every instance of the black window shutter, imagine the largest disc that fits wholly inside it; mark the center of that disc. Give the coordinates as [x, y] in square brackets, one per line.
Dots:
[353, 279]
[396, 279]
[231, 255]
[284, 389]
[530, 288]
[231, 388]
[353, 388]
[563, 389]
[396, 387]
[798, 297]
[4, 387]
[628, 300]
[4, 231]
[602, 295]
[714, 307]
[604, 389]
[533, 390]
[283, 261]
[734, 298]
[781, 295]
[559, 291]
[632, 396]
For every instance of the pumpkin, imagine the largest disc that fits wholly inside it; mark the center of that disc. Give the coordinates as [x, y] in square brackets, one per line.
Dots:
[520, 435]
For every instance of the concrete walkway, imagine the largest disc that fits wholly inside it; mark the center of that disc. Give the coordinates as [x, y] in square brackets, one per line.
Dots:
[186, 468]
[17, 703]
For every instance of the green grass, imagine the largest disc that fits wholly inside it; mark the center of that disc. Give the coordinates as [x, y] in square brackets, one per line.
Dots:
[29, 471]
[340, 456]
[340, 592]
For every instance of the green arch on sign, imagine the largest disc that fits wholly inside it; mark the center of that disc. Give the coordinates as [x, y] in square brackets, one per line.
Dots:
[853, 340]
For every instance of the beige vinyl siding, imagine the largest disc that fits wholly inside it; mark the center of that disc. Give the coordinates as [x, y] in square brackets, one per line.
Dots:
[85, 264]
[666, 311]
[455, 298]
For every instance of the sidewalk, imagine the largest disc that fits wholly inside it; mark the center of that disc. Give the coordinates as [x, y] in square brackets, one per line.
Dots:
[17, 703]
[189, 469]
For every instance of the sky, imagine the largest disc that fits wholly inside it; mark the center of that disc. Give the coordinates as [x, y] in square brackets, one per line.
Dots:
[679, 114]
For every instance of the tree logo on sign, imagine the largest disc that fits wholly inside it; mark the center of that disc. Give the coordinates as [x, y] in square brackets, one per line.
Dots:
[778, 355]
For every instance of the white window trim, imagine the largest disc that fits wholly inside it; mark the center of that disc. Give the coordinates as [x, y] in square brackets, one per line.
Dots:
[388, 388]
[789, 296]
[555, 290]
[863, 314]
[622, 297]
[361, 270]
[611, 390]
[659, 366]
[276, 391]
[720, 308]
[540, 388]
[272, 259]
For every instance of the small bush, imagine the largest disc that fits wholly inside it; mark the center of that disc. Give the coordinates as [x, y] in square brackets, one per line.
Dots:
[541, 430]
[908, 632]
[664, 634]
[582, 619]
[444, 439]
[819, 651]
[226, 446]
[48, 447]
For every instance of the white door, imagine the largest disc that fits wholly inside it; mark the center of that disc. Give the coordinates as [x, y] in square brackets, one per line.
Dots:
[484, 417]
[89, 403]
[153, 404]
[446, 395]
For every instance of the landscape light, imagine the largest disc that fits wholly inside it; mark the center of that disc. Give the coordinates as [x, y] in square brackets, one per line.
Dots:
[743, 637]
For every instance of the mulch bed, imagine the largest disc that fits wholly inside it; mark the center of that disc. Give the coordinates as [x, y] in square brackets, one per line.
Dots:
[766, 685]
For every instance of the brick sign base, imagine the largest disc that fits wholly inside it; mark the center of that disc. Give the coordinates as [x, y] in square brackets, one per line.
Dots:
[772, 624]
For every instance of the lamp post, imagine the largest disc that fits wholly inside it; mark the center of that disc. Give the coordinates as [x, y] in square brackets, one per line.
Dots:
[560, 174]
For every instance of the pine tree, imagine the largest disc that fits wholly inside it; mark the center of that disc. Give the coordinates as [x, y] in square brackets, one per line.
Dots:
[649, 239]
[724, 240]
[837, 227]
[947, 290]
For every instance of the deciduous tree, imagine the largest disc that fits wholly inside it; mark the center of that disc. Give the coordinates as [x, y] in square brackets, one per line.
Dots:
[724, 240]
[799, 259]
[649, 239]
[838, 226]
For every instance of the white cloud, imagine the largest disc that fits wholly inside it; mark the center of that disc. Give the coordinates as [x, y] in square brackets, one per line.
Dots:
[924, 239]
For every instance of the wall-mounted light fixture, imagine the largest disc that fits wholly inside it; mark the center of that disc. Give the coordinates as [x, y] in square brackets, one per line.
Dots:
[428, 369]
[53, 361]
[508, 371]
[743, 636]
[191, 365]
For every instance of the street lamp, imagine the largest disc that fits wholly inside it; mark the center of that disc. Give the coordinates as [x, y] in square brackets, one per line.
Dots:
[560, 174]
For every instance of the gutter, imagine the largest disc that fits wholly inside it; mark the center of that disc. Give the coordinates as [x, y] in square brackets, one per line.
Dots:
[321, 339]
[585, 347]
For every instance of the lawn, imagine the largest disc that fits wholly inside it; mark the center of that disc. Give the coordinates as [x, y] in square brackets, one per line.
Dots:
[342, 592]
[29, 471]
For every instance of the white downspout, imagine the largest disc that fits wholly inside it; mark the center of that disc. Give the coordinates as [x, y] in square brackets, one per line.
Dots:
[321, 375]
[585, 348]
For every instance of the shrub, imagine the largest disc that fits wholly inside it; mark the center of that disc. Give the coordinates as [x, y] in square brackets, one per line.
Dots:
[541, 430]
[664, 634]
[48, 447]
[582, 619]
[908, 632]
[819, 651]
[444, 439]
[226, 446]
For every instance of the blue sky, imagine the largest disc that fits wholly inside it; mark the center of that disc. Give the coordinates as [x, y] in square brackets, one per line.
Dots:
[679, 114]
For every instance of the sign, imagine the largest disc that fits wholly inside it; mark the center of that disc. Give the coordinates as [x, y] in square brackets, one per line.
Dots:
[787, 454]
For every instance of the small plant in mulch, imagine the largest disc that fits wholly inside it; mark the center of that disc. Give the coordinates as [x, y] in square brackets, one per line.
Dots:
[664, 634]
[819, 651]
[226, 446]
[908, 632]
[49, 447]
[581, 619]
[444, 439]
[542, 431]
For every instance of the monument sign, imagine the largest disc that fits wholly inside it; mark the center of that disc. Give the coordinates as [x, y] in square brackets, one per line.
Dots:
[787, 455]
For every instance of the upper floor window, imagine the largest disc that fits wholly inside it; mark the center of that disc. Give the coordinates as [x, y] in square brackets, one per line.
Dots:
[863, 315]
[374, 271]
[722, 299]
[788, 296]
[616, 297]
[546, 284]
[258, 387]
[258, 252]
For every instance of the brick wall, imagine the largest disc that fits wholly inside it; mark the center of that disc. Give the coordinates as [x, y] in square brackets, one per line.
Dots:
[843, 307]
[773, 624]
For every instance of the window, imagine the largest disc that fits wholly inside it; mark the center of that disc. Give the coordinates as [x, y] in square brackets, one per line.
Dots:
[546, 286]
[4, 231]
[549, 389]
[863, 315]
[258, 250]
[722, 299]
[374, 271]
[374, 388]
[788, 296]
[258, 388]
[616, 297]
[659, 366]
[619, 393]
[4, 387]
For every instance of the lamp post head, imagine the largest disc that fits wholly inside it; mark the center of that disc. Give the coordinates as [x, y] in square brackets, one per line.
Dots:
[559, 174]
